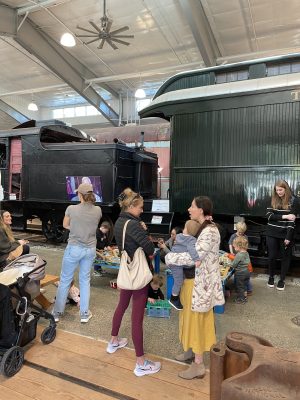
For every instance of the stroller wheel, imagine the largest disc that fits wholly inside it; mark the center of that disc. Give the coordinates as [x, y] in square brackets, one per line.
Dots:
[12, 361]
[48, 335]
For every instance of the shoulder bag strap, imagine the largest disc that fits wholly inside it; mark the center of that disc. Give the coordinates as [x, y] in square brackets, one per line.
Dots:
[124, 231]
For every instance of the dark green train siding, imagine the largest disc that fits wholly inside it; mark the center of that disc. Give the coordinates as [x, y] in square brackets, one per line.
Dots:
[235, 154]
[232, 146]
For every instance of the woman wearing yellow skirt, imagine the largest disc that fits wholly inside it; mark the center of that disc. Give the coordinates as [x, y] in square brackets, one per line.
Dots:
[201, 291]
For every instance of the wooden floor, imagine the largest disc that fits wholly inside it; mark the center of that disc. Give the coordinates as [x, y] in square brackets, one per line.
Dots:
[76, 367]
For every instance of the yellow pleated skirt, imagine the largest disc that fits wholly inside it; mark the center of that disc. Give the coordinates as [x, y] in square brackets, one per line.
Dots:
[196, 330]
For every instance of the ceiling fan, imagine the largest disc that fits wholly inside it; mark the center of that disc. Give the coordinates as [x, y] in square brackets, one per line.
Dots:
[103, 32]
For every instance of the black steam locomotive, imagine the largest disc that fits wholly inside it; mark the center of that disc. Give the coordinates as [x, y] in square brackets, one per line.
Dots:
[41, 167]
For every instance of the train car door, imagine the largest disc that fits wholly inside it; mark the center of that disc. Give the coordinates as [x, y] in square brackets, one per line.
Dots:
[15, 167]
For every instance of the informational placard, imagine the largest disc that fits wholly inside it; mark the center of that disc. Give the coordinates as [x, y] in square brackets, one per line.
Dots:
[160, 206]
[156, 219]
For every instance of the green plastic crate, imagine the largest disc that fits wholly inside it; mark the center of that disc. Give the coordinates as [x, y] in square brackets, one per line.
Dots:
[160, 309]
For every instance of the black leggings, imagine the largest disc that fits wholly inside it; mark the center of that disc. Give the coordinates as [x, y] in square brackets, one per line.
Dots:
[277, 249]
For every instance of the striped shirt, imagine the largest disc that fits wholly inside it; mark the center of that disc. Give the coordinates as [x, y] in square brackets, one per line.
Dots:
[282, 228]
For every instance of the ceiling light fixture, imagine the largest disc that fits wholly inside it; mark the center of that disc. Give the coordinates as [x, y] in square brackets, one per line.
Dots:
[140, 94]
[32, 106]
[67, 40]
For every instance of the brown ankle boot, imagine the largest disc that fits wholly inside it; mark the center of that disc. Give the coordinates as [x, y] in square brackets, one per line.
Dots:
[194, 371]
[185, 356]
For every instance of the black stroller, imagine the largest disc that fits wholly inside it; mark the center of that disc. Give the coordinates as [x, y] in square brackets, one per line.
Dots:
[19, 285]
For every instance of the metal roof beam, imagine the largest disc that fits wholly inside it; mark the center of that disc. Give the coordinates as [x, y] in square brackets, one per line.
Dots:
[58, 60]
[152, 72]
[8, 21]
[12, 112]
[200, 27]
[39, 5]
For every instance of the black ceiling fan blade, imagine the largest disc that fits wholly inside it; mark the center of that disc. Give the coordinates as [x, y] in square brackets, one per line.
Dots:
[111, 44]
[125, 28]
[108, 26]
[95, 26]
[86, 30]
[120, 41]
[123, 36]
[101, 44]
[95, 35]
[92, 41]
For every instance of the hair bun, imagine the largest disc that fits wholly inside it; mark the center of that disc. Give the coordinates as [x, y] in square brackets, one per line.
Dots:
[122, 196]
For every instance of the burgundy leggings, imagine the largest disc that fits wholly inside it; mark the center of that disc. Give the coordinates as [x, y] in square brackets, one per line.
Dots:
[139, 298]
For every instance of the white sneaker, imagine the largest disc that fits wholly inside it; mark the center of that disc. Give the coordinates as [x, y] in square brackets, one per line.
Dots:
[113, 347]
[149, 367]
[84, 318]
[57, 316]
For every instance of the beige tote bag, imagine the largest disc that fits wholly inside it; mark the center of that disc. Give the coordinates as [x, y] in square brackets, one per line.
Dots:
[133, 274]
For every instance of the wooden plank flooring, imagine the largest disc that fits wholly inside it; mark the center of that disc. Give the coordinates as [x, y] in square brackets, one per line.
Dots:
[78, 367]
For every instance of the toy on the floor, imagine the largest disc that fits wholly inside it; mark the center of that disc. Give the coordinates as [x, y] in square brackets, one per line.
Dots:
[113, 284]
[159, 309]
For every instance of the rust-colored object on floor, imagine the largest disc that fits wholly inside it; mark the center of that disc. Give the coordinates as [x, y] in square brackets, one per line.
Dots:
[247, 367]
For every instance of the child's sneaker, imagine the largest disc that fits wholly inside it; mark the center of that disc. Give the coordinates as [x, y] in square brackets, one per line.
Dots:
[98, 273]
[149, 367]
[280, 285]
[84, 318]
[175, 302]
[56, 316]
[271, 281]
[113, 347]
[240, 300]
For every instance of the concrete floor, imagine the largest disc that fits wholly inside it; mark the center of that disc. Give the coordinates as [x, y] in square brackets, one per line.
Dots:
[267, 314]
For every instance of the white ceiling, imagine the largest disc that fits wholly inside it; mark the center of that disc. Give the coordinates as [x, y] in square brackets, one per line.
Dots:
[169, 36]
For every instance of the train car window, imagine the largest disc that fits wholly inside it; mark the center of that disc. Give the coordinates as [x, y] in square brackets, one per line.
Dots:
[232, 76]
[283, 68]
[296, 67]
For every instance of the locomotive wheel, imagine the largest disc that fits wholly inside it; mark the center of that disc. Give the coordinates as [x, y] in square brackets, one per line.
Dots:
[48, 335]
[12, 361]
[53, 231]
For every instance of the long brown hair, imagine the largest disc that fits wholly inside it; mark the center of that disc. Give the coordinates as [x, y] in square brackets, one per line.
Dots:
[207, 206]
[284, 202]
[89, 198]
[6, 229]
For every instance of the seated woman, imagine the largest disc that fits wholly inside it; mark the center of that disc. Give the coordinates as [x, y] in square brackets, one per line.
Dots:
[10, 248]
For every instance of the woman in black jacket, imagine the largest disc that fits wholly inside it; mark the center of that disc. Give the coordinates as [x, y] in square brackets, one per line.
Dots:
[280, 230]
[136, 236]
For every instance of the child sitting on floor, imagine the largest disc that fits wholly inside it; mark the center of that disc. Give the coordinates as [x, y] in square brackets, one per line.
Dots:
[154, 291]
[185, 242]
[73, 294]
[240, 265]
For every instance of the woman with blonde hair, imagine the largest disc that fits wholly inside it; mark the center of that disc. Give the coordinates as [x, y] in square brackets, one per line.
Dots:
[82, 221]
[280, 230]
[10, 248]
[131, 204]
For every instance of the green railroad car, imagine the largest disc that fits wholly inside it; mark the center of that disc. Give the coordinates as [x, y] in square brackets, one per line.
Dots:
[235, 130]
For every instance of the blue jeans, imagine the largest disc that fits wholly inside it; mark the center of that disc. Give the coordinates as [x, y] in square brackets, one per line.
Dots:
[75, 255]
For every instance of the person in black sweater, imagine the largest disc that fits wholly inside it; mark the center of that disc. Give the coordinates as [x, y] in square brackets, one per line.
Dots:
[280, 230]
[136, 236]
[154, 291]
